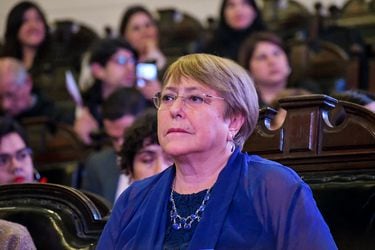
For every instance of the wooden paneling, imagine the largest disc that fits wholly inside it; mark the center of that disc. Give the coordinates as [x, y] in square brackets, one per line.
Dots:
[309, 140]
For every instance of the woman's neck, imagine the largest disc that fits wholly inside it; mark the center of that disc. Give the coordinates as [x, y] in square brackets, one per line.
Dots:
[28, 56]
[197, 172]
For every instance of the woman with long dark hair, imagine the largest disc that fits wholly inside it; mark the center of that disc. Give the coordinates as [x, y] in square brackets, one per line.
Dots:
[139, 28]
[27, 37]
[238, 19]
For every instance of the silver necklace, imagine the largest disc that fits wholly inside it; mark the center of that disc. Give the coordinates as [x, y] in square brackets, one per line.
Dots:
[180, 222]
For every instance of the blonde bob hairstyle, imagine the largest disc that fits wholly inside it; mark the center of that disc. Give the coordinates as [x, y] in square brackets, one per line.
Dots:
[227, 78]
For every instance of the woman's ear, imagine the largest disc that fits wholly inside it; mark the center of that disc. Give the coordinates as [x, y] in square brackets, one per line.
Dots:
[235, 124]
[97, 71]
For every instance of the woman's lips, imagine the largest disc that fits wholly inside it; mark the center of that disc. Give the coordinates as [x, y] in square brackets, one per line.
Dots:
[34, 31]
[176, 130]
[19, 179]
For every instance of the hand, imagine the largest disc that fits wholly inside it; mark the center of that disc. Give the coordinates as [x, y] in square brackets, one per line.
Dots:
[150, 45]
[84, 124]
[151, 51]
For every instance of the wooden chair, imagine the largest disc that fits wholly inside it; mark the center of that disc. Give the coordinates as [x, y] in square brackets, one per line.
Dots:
[335, 157]
[319, 61]
[180, 33]
[287, 18]
[57, 217]
[57, 151]
[360, 15]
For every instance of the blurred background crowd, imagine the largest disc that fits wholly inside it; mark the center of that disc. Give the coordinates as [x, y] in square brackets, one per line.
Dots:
[78, 90]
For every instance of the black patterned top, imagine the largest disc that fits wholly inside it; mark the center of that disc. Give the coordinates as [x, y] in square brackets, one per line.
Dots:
[186, 204]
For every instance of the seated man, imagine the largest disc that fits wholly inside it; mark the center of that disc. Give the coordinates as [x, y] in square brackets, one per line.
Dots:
[16, 165]
[112, 65]
[101, 172]
[17, 98]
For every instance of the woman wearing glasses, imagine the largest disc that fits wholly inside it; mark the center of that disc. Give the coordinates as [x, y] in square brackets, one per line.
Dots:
[214, 196]
[16, 165]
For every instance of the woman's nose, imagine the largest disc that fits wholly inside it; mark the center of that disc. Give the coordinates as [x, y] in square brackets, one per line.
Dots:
[177, 107]
[15, 165]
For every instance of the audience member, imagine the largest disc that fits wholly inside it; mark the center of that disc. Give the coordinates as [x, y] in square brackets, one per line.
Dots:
[238, 20]
[15, 236]
[214, 196]
[264, 56]
[112, 63]
[27, 38]
[17, 98]
[139, 28]
[141, 155]
[16, 165]
[101, 172]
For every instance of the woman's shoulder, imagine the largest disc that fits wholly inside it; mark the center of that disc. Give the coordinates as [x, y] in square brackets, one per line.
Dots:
[268, 170]
[270, 180]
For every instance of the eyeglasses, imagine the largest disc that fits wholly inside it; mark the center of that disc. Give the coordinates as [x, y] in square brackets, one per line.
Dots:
[21, 155]
[193, 100]
[123, 60]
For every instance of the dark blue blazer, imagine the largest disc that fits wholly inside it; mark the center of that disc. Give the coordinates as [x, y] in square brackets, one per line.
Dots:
[255, 204]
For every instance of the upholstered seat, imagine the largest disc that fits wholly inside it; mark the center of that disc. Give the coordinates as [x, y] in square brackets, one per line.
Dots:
[57, 217]
[57, 150]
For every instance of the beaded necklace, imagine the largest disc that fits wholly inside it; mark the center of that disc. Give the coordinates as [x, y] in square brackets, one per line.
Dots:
[180, 222]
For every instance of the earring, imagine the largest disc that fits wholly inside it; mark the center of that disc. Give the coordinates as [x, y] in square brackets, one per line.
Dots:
[233, 147]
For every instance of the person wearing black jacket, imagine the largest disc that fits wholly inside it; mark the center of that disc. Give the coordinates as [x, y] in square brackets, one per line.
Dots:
[238, 20]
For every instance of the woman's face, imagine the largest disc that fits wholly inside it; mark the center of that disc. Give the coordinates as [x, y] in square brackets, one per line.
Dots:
[16, 165]
[32, 32]
[269, 64]
[239, 14]
[141, 30]
[149, 161]
[187, 125]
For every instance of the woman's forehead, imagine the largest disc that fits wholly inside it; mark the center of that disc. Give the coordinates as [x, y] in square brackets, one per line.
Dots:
[11, 142]
[187, 85]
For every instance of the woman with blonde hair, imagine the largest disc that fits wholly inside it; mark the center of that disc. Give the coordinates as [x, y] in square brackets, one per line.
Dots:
[214, 196]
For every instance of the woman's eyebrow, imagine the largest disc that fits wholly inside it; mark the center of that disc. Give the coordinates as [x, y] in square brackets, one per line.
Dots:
[186, 89]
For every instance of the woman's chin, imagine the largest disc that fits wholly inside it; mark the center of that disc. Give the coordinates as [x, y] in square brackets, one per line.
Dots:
[176, 149]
